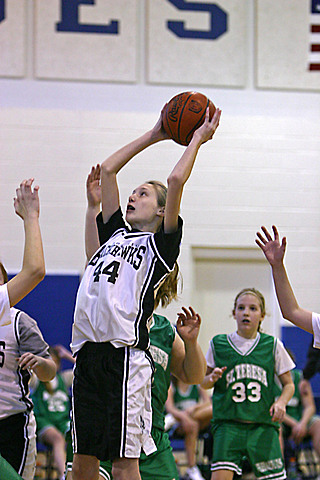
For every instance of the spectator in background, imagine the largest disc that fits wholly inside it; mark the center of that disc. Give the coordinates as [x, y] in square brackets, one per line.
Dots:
[300, 420]
[190, 408]
[52, 407]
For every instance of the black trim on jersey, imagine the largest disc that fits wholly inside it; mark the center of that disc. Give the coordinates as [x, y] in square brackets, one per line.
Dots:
[125, 396]
[26, 444]
[141, 328]
[156, 251]
[15, 327]
[23, 375]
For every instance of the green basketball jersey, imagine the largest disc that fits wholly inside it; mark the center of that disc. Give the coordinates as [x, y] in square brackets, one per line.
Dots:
[246, 390]
[294, 407]
[189, 398]
[162, 335]
[55, 406]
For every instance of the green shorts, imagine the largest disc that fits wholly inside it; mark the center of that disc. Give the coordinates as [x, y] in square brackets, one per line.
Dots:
[61, 424]
[160, 464]
[162, 461]
[232, 441]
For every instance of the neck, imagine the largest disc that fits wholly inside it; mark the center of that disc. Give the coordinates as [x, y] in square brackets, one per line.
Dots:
[247, 335]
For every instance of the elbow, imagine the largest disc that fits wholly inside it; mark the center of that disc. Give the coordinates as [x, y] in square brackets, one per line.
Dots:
[38, 274]
[175, 181]
[107, 168]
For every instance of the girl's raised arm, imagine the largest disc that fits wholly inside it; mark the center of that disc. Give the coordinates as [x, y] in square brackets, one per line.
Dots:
[183, 169]
[113, 164]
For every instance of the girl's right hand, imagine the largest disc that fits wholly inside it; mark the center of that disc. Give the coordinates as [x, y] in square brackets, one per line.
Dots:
[158, 132]
[94, 187]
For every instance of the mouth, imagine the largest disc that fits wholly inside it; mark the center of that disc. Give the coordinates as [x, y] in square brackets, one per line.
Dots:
[246, 320]
[130, 208]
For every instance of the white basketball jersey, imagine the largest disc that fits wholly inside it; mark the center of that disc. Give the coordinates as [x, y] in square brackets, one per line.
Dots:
[14, 390]
[115, 300]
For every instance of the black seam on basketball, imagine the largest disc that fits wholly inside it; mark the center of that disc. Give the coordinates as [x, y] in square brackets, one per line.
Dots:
[179, 123]
[197, 125]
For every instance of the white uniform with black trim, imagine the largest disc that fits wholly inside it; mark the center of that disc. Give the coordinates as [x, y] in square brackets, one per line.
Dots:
[115, 299]
[19, 333]
[114, 308]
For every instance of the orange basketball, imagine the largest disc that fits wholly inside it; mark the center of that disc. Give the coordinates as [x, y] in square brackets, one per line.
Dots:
[184, 114]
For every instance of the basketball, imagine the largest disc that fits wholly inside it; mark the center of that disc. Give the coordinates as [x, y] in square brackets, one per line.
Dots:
[184, 113]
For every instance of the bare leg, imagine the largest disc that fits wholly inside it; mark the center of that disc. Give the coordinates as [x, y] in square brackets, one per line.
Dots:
[222, 475]
[85, 467]
[125, 469]
[51, 436]
[314, 431]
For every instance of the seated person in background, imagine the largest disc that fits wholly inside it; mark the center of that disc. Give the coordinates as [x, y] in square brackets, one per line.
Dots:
[52, 407]
[300, 420]
[191, 407]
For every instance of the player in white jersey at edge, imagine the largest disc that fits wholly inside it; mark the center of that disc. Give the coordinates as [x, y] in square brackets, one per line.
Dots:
[21, 344]
[274, 251]
[111, 414]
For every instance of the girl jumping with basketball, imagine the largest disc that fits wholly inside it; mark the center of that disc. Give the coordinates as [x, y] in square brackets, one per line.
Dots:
[111, 417]
[241, 367]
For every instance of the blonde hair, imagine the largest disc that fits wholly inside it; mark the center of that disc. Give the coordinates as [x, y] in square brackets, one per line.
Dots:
[161, 190]
[168, 290]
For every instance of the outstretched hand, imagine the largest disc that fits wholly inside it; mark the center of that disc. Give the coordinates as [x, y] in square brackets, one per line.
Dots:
[26, 203]
[208, 128]
[272, 248]
[94, 187]
[188, 325]
[158, 131]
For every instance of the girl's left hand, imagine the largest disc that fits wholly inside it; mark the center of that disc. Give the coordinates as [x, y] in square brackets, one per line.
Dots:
[277, 412]
[188, 324]
[208, 128]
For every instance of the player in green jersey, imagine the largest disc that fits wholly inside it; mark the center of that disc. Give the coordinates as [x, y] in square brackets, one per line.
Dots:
[241, 367]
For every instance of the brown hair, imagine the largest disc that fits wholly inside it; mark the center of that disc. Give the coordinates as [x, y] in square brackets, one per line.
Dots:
[257, 294]
[168, 290]
[4, 273]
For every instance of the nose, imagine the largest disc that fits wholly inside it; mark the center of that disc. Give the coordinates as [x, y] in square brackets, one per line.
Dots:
[132, 197]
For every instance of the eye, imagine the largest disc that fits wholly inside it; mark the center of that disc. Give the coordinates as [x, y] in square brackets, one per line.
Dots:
[240, 307]
[253, 308]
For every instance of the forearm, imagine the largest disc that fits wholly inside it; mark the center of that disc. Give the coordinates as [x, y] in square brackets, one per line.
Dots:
[286, 394]
[33, 258]
[46, 370]
[308, 413]
[194, 364]
[207, 382]
[113, 164]
[287, 300]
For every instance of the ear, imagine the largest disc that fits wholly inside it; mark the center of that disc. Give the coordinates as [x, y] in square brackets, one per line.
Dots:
[160, 212]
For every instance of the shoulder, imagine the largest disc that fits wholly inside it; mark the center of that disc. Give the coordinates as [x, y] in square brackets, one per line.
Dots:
[162, 326]
[221, 337]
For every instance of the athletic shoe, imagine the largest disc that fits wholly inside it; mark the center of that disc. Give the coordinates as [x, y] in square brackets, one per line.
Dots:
[193, 473]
